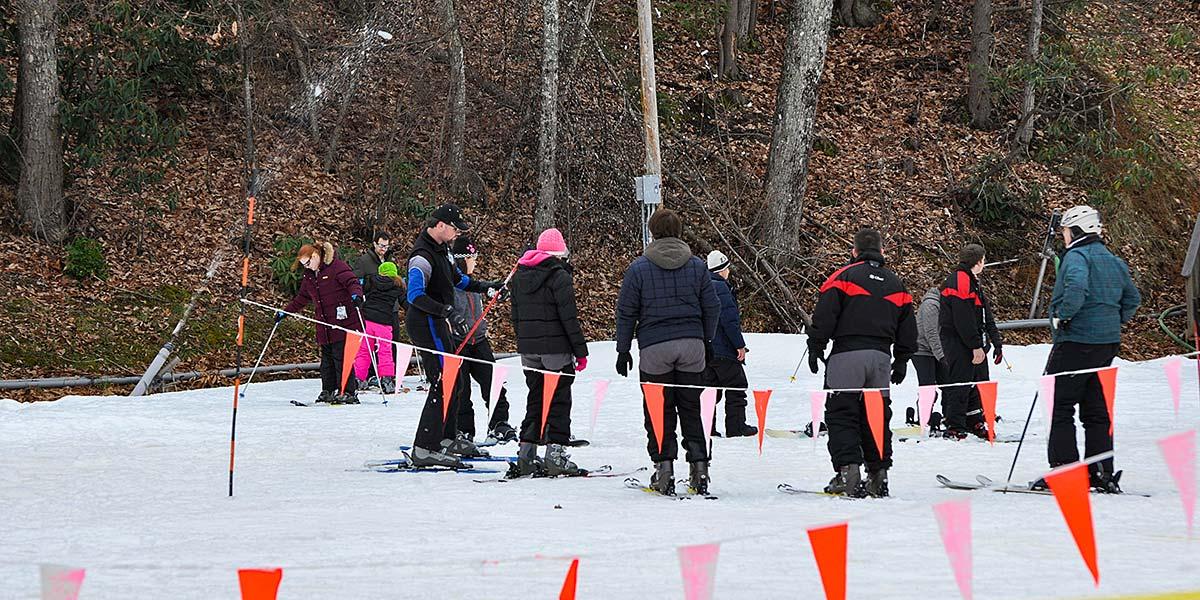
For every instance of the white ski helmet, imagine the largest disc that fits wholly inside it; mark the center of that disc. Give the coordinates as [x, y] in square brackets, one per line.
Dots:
[1084, 217]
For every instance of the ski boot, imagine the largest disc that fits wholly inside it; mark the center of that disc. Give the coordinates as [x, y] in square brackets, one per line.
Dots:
[372, 383]
[558, 463]
[462, 446]
[422, 458]
[979, 430]
[698, 478]
[1040, 485]
[847, 482]
[326, 397]
[876, 485]
[1105, 482]
[910, 416]
[387, 385]
[935, 422]
[955, 434]
[527, 464]
[501, 433]
[663, 478]
[347, 398]
[808, 430]
[740, 430]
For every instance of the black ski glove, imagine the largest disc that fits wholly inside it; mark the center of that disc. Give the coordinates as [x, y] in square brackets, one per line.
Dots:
[997, 355]
[280, 316]
[815, 357]
[624, 363]
[357, 299]
[458, 325]
[899, 370]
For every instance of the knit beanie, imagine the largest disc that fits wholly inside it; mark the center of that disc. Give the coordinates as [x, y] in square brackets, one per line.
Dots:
[463, 247]
[388, 269]
[717, 261]
[551, 242]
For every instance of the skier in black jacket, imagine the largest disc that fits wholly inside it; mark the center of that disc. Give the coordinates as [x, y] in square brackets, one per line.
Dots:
[868, 314]
[549, 338]
[967, 330]
[433, 323]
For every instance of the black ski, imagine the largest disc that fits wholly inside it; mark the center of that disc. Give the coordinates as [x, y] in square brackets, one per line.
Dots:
[598, 472]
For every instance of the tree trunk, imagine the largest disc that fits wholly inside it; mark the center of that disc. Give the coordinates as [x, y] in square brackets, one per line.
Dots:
[858, 13]
[10, 145]
[979, 93]
[795, 114]
[456, 99]
[747, 20]
[728, 68]
[40, 188]
[1025, 131]
[548, 139]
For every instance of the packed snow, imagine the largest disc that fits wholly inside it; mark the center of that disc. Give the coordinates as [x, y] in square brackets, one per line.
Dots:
[135, 491]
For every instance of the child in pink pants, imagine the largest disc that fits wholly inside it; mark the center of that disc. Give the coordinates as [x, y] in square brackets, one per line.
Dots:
[384, 293]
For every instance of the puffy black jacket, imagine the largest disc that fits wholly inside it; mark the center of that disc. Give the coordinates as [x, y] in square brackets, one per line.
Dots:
[864, 306]
[384, 298]
[543, 309]
[964, 315]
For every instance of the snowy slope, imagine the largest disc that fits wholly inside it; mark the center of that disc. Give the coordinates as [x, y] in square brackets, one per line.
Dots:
[135, 491]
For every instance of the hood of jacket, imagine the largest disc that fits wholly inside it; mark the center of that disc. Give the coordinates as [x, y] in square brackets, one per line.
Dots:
[668, 253]
[382, 282]
[932, 293]
[535, 275]
[533, 258]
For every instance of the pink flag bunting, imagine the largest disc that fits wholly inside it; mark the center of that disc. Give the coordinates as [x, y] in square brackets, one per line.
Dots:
[954, 521]
[699, 567]
[601, 391]
[818, 413]
[708, 412]
[61, 583]
[926, 396]
[499, 376]
[1179, 450]
[1047, 395]
[403, 357]
[1172, 367]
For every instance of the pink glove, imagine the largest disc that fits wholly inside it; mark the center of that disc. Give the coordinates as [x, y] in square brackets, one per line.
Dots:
[580, 363]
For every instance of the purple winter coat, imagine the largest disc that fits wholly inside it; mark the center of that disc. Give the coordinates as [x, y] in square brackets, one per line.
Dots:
[328, 289]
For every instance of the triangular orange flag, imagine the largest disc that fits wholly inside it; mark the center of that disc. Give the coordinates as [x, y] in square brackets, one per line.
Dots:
[1071, 491]
[654, 405]
[353, 341]
[259, 584]
[450, 365]
[829, 548]
[568, 588]
[1108, 383]
[987, 397]
[549, 386]
[761, 398]
[874, 400]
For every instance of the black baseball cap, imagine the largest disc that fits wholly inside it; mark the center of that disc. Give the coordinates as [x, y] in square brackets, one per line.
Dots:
[451, 214]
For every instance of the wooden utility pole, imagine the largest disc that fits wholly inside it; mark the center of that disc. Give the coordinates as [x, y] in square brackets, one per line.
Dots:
[649, 187]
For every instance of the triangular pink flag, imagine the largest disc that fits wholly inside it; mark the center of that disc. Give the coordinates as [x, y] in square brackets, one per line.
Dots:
[1172, 367]
[1179, 450]
[926, 396]
[1046, 394]
[699, 566]
[708, 412]
[954, 521]
[601, 391]
[817, 398]
[404, 354]
[61, 583]
[499, 376]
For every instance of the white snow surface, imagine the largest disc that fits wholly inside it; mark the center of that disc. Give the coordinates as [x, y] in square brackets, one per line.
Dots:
[135, 491]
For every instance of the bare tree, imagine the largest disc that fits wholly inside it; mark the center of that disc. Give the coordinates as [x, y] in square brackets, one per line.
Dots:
[979, 93]
[1025, 131]
[548, 139]
[728, 68]
[747, 19]
[858, 13]
[40, 186]
[457, 97]
[795, 114]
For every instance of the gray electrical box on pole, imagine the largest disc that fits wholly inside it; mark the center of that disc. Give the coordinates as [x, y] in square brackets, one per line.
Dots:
[649, 195]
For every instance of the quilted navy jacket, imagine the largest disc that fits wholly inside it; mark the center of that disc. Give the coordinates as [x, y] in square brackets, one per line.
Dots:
[667, 294]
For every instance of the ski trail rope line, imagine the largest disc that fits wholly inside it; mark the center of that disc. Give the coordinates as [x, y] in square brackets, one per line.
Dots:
[674, 385]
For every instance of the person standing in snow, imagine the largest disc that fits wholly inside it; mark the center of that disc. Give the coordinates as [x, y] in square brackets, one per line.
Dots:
[333, 290]
[866, 311]
[470, 305]
[930, 356]
[726, 369]
[1093, 296]
[366, 266]
[433, 323]
[667, 300]
[549, 338]
[967, 330]
[385, 292]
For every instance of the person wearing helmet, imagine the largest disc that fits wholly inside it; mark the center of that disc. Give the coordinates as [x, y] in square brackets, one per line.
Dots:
[1093, 296]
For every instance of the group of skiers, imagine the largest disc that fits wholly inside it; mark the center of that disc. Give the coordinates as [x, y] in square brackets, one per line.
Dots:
[687, 324]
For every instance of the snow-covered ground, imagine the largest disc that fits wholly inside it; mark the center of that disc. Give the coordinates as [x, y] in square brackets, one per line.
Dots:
[134, 490]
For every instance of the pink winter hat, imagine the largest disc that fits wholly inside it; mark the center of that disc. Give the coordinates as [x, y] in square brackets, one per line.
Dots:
[551, 242]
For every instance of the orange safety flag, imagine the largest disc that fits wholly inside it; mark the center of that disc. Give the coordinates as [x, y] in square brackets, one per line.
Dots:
[549, 386]
[450, 365]
[568, 588]
[353, 341]
[874, 401]
[1108, 383]
[259, 584]
[653, 393]
[1071, 490]
[761, 398]
[829, 548]
[987, 397]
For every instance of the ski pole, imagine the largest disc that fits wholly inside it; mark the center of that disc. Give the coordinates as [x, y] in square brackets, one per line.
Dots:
[259, 361]
[371, 353]
[797, 369]
[1025, 429]
[486, 310]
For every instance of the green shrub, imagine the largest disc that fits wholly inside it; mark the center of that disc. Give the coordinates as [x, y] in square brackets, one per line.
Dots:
[282, 259]
[85, 258]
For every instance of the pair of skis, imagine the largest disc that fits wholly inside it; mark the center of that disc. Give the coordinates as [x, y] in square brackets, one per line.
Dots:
[985, 483]
[634, 483]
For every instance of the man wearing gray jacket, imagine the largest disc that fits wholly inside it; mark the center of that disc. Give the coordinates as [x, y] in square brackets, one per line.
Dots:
[929, 359]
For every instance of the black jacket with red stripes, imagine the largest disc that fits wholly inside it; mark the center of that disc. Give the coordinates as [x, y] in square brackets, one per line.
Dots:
[864, 306]
[965, 315]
